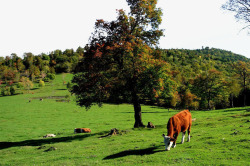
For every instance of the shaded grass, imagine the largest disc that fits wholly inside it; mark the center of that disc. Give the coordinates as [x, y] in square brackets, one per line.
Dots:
[219, 137]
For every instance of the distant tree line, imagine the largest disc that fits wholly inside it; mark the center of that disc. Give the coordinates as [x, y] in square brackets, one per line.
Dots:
[205, 78]
[16, 72]
[209, 78]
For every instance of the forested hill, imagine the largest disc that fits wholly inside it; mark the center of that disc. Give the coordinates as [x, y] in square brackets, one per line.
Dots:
[220, 59]
[59, 61]
[201, 78]
[186, 56]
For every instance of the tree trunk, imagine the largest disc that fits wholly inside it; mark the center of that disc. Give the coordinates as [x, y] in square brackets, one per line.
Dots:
[232, 100]
[208, 104]
[245, 98]
[245, 90]
[137, 110]
[138, 119]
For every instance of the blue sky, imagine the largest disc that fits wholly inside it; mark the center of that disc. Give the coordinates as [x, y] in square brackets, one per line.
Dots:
[45, 25]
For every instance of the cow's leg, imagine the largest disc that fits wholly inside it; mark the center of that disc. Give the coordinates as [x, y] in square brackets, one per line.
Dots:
[174, 144]
[175, 136]
[189, 131]
[183, 137]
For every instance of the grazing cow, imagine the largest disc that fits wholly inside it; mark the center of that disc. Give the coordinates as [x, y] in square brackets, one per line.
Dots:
[82, 130]
[49, 135]
[181, 122]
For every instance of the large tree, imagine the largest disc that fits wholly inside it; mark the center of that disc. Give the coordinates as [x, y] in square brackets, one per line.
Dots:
[243, 71]
[241, 9]
[119, 61]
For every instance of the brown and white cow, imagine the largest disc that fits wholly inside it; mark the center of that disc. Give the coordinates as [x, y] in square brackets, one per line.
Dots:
[82, 130]
[180, 122]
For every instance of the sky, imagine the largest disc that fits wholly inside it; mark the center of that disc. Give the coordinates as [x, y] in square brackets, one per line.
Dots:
[42, 26]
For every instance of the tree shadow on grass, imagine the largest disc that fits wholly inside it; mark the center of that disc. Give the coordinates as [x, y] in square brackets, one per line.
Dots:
[161, 107]
[145, 112]
[153, 112]
[62, 89]
[34, 88]
[237, 109]
[39, 142]
[141, 152]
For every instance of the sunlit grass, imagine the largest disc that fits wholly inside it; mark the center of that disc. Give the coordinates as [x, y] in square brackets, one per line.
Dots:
[219, 137]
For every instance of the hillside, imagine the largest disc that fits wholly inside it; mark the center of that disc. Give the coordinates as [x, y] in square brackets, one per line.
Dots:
[188, 69]
[220, 135]
[207, 53]
[222, 60]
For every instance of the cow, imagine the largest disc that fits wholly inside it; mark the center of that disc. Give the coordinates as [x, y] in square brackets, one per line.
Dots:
[82, 130]
[180, 122]
[49, 135]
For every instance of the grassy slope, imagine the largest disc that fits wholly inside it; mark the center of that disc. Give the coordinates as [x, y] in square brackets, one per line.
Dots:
[219, 137]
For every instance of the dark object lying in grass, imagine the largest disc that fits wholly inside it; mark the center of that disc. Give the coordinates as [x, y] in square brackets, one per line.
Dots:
[150, 125]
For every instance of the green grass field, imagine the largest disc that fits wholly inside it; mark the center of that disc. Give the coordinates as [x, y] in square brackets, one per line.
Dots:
[219, 137]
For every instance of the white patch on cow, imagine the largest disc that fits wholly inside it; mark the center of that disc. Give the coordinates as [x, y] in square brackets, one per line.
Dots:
[183, 137]
[49, 135]
[174, 145]
[170, 145]
[167, 142]
[188, 140]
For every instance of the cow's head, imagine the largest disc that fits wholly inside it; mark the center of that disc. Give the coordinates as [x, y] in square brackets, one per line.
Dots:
[168, 141]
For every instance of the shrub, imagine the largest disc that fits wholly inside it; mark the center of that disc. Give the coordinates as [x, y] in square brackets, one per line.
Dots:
[27, 84]
[2, 92]
[67, 96]
[52, 70]
[12, 90]
[41, 83]
[69, 85]
[51, 76]
[19, 85]
[6, 91]
[194, 105]
[46, 79]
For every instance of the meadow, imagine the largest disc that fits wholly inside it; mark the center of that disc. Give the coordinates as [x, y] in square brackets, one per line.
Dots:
[218, 137]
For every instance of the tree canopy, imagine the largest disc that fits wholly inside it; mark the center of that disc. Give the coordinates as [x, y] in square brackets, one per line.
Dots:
[119, 60]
